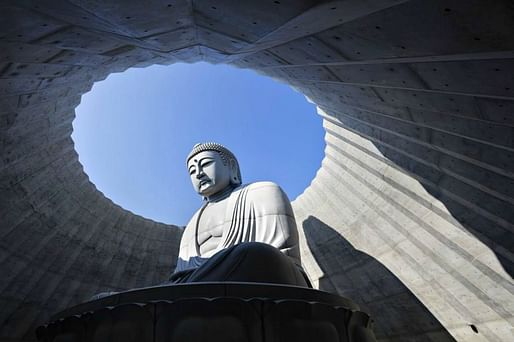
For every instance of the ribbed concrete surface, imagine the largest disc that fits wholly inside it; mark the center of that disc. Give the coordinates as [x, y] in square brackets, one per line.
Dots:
[410, 215]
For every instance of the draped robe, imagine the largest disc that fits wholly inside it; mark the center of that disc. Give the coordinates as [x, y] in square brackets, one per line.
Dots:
[256, 212]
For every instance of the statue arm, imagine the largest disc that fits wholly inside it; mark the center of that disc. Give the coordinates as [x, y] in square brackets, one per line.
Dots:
[184, 254]
[275, 221]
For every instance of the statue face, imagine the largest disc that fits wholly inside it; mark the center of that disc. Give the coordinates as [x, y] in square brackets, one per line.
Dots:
[208, 173]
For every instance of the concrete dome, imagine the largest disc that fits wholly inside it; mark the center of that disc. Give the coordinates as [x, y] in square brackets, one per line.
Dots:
[411, 214]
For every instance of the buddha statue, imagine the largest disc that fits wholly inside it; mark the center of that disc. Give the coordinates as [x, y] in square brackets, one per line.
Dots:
[243, 233]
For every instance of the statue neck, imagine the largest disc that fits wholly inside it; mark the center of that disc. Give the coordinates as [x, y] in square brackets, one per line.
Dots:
[220, 194]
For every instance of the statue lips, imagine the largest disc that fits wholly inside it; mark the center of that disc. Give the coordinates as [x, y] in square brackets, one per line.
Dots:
[204, 182]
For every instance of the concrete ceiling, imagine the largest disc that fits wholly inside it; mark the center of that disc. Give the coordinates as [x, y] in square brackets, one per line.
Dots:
[411, 214]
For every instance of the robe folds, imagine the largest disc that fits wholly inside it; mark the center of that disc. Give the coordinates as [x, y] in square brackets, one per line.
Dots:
[256, 212]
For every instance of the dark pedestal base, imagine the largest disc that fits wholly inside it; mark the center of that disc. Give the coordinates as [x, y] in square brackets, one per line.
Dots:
[213, 312]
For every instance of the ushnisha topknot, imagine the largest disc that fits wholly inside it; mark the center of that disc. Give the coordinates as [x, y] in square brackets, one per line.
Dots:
[224, 152]
[212, 146]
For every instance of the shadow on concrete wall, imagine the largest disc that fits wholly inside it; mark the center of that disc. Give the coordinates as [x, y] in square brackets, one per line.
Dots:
[464, 187]
[489, 229]
[398, 314]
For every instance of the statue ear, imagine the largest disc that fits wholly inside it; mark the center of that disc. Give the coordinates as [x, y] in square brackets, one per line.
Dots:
[234, 174]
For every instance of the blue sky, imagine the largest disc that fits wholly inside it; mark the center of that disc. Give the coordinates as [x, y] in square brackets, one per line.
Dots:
[134, 130]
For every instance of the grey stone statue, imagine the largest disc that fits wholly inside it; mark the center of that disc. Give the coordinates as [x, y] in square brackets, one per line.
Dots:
[242, 232]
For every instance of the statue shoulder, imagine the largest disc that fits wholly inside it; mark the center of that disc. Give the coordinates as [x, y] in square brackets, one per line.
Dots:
[264, 185]
[269, 197]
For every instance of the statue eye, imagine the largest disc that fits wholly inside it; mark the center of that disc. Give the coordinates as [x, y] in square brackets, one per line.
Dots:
[207, 163]
[192, 170]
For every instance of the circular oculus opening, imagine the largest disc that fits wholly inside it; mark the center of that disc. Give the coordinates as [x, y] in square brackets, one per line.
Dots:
[134, 130]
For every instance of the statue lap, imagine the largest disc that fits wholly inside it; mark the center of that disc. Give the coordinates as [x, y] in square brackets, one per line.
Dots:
[246, 262]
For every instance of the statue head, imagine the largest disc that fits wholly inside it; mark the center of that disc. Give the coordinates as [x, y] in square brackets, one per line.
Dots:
[212, 168]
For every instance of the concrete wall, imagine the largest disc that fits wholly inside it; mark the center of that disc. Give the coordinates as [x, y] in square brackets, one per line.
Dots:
[410, 215]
